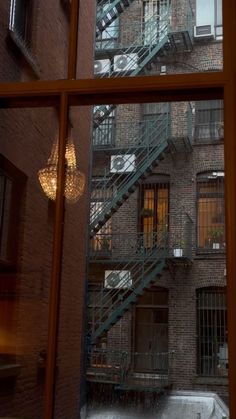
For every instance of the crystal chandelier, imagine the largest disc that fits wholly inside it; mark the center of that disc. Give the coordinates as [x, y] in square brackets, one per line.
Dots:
[74, 179]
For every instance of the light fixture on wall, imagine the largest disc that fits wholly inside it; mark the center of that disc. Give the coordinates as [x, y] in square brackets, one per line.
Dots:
[74, 179]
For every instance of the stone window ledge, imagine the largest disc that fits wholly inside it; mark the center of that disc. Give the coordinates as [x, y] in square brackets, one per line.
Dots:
[220, 380]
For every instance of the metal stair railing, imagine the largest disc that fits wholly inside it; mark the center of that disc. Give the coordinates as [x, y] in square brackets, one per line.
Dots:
[119, 186]
[150, 39]
[118, 367]
[151, 134]
[107, 366]
[142, 270]
[156, 41]
[108, 11]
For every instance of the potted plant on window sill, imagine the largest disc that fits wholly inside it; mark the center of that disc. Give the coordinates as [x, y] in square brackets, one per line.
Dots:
[105, 243]
[147, 212]
[178, 249]
[216, 236]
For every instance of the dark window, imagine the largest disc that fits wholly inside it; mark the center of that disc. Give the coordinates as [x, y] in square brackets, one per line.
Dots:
[211, 211]
[209, 124]
[11, 190]
[20, 19]
[151, 332]
[212, 332]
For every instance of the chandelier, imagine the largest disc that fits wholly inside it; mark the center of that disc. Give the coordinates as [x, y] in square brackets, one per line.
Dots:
[74, 179]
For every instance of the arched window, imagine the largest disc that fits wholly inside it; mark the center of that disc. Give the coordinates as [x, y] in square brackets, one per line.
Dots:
[210, 212]
[212, 345]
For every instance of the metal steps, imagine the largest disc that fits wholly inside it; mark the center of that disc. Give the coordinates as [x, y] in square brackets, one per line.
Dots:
[144, 266]
[109, 11]
[119, 186]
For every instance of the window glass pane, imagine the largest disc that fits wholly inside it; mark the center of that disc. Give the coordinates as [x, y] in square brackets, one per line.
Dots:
[34, 41]
[70, 352]
[26, 233]
[162, 182]
[157, 37]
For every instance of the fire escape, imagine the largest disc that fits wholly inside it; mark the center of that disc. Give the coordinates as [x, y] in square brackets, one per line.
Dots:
[136, 263]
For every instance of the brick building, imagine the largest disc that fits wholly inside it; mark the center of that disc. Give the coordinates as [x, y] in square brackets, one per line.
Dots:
[157, 279]
[33, 44]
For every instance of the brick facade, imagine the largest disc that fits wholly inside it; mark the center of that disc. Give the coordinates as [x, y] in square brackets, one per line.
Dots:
[205, 270]
[27, 136]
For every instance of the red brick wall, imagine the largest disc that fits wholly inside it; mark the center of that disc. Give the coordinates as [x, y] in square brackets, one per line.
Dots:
[26, 140]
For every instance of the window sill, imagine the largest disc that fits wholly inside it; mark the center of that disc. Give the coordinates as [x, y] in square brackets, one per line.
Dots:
[9, 370]
[201, 142]
[27, 53]
[217, 380]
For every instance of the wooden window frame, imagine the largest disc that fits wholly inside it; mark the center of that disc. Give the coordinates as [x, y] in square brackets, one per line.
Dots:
[185, 87]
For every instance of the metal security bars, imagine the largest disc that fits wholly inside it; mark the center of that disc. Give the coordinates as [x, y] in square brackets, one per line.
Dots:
[211, 212]
[212, 332]
[209, 122]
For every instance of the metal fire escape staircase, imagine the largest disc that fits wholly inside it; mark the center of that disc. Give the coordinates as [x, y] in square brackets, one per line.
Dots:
[108, 11]
[152, 144]
[155, 37]
[143, 267]
[141, 52]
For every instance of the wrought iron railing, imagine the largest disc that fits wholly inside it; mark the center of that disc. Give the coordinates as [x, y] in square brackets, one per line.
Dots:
[208, 131]
[124, 283]
[129, 369]
[125, 135]
[107, 365]
[123, 246]
[136, 34]
[147, 151]
[138, 52]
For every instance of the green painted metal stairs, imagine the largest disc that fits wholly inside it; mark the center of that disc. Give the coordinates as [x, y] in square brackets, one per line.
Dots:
[143, 268]
[145, 53]
[109, 11]
[153, 143]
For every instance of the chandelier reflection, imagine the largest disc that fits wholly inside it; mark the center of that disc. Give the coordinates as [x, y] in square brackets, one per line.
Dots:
[74, 179]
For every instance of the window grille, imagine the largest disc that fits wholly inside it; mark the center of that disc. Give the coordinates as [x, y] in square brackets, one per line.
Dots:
[211, 212]
[209, 122]
[212, 332]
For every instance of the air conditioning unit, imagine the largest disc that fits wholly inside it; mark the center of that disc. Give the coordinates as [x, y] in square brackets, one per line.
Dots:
[102, 66]
[122, 163]
[125, 62]
[204, 31]
[118, 279]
